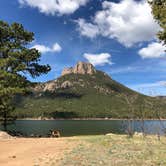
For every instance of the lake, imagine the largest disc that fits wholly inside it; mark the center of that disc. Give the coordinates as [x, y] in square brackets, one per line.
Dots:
[84, 127]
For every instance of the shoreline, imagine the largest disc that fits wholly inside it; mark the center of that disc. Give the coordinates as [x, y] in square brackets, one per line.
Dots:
[84, 119]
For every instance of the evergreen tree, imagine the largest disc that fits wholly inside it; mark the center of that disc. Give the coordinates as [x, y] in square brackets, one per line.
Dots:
[16, 61]
[159, 12]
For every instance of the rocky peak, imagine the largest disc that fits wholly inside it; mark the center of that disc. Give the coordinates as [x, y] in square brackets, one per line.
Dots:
[80, 68]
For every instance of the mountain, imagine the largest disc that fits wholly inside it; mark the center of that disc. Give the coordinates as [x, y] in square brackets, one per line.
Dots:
[84, 92]
[161, 97]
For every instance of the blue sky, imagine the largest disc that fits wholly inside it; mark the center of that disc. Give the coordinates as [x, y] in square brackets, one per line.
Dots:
[117, 37]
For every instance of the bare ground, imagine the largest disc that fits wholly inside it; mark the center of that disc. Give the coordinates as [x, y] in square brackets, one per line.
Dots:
[33, 151]
[107, 150]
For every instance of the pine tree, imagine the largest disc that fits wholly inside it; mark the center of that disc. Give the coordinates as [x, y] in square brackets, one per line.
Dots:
[159, 12]
[16, 61]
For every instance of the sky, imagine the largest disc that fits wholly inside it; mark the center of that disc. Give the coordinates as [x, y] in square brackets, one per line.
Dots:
[116, 36]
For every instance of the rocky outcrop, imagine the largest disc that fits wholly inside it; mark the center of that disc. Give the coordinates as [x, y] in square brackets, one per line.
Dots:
[50, 86]
[5, 135]
[66, 84]
[67, 71]
[80, 68]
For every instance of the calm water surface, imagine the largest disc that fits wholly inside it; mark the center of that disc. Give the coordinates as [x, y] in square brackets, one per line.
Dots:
[84, 127]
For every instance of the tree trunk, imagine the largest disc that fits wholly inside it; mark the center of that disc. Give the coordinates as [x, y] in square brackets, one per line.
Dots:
[5, 121]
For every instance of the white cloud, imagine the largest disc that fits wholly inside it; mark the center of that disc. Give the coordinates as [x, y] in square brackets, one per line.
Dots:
[87, 29]
[163, 83]
[56, 48]
[98, 59]
[152, 89]
[128, 21]
[44, 49]
[149, 85]
[54, 6]
[126, 69]
[153, 50]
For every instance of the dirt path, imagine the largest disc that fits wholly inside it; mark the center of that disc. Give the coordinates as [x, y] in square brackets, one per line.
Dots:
[34, 151]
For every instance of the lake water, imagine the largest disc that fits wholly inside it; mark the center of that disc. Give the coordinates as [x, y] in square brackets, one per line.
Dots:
[84, 127]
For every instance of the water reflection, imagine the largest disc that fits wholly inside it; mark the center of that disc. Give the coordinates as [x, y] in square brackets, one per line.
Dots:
[85, 127]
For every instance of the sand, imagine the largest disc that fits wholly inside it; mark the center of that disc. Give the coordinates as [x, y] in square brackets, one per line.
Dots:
[33, 151]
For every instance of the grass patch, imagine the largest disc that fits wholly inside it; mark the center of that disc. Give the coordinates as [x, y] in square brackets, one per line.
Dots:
[117, 150]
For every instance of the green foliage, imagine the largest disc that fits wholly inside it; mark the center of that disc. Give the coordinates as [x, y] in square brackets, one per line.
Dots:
[16, 60]
[92, 96]
[159, 12]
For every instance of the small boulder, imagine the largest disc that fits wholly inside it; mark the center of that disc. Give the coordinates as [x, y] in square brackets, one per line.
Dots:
[109, 134]
[4, 135]
[138, 134]
[55, 133]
